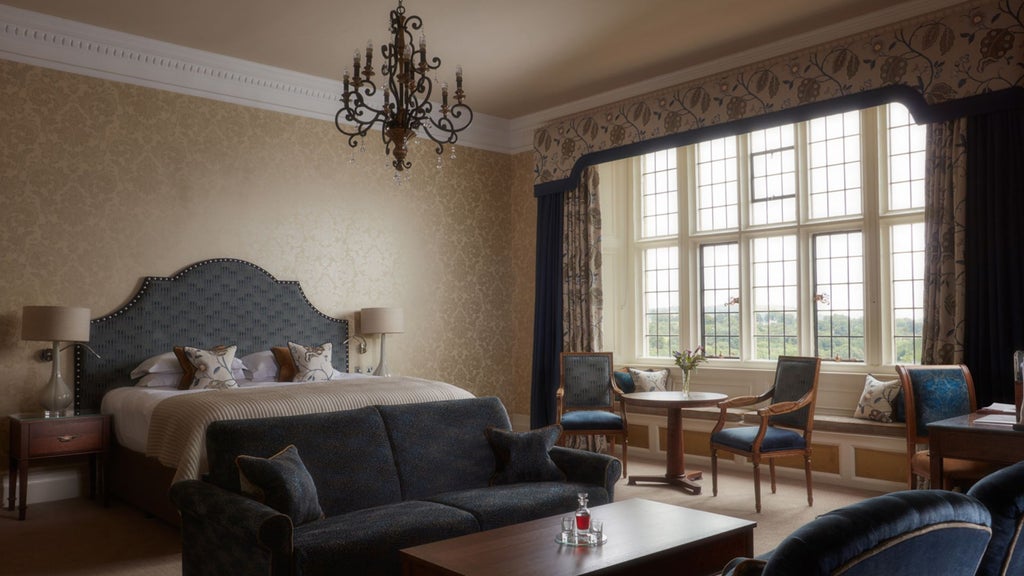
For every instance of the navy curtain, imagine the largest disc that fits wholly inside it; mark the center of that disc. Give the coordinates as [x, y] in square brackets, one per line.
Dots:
[547, 317]
[994, 252]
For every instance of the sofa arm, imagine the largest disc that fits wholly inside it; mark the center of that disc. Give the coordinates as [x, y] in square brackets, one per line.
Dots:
[224, 532]
[588, 467]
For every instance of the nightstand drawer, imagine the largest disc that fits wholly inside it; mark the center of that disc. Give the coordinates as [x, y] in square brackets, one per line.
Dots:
[55, 437]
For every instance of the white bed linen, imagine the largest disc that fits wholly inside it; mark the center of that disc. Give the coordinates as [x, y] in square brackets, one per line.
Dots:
[131, 408]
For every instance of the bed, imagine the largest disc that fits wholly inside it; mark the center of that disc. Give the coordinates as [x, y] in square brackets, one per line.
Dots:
[159, 431]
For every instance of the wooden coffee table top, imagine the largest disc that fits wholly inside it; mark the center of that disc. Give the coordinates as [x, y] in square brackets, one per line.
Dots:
[635, 528]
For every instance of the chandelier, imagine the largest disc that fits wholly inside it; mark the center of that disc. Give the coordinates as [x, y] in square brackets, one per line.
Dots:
[407, 87]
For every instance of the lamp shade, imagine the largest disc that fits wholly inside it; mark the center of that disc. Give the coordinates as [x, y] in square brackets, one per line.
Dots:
[382, 320]
[55, 323]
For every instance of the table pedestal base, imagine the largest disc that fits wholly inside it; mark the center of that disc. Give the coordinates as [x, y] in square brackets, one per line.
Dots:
[686, 481]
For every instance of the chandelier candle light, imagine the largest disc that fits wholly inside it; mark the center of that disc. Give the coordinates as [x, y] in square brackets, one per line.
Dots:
[407, 89]
[687, 360]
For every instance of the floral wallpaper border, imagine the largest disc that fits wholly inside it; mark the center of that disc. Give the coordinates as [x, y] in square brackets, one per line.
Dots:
[966, 50]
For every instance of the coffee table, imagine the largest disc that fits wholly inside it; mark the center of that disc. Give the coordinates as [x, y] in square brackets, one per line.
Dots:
[644, 537]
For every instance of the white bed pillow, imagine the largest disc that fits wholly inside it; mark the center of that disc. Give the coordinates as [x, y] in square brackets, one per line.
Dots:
[210, 368]
[160, 380]
[261, 366]
[168, 363]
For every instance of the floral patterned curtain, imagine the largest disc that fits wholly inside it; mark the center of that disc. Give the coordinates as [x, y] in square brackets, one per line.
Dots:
[945, 218]
[582, 299]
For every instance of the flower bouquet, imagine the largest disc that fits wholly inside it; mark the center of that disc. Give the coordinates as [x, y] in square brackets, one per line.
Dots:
[688, 360]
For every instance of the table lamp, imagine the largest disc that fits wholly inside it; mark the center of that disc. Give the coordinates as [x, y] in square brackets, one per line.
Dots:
[55, 324]
[382, 321]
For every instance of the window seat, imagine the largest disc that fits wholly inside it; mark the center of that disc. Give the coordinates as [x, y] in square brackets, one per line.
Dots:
[835, 423]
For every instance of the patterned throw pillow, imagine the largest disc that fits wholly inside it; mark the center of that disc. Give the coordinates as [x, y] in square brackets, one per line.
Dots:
[206, 368]
[523, 456]
[281, 482]
[876, 402]
[650, 380]
[312, 363]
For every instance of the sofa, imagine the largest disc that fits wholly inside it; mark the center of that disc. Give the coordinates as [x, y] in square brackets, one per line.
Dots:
[345, 491]
[906, 533]
[1002, 492]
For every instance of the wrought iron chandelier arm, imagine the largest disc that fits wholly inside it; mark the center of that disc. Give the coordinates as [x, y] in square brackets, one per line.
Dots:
[407, 90]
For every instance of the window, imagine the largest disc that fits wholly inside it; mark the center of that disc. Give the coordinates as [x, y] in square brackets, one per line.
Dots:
[802, 239]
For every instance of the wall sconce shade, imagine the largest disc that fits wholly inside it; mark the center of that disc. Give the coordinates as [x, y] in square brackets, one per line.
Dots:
[55, 324]
[382, 321]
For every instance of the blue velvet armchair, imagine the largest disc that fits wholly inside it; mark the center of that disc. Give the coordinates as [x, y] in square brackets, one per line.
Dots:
[1002, 492]
[932, 393]
[586, 399]
[785, 425]
[909, 533]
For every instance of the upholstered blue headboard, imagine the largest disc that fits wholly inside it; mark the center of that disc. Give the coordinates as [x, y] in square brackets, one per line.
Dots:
[221, 301]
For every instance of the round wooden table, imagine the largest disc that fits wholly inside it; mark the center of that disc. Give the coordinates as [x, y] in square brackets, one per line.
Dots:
[673, 403]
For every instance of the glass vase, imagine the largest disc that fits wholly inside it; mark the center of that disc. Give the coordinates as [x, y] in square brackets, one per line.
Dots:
[686, 382]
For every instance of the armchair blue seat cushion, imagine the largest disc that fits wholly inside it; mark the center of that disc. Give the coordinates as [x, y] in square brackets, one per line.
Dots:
[742, 438]
[1002, 492]
[523, 456]
[906, 533]
[591, 420]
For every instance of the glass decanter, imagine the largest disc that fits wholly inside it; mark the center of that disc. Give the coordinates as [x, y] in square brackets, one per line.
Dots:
[582, 518]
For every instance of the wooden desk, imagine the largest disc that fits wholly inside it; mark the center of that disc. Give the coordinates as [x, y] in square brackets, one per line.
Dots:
[673, 403]
[965, 437]
[644, 537]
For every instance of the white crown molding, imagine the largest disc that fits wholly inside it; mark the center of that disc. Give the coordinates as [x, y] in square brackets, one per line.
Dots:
[51, 42]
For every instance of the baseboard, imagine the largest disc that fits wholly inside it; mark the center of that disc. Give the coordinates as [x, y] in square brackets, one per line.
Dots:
[49, 484]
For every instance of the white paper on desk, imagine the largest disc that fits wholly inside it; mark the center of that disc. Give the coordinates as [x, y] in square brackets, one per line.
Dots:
[997, 419]
[999, 408]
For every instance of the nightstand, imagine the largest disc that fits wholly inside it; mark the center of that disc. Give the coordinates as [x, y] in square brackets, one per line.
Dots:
[35, 438]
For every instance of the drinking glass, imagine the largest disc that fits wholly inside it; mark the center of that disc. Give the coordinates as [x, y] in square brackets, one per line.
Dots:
[567, 529]
[597, 531]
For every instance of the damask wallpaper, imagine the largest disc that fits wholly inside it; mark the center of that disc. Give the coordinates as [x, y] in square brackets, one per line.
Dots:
[965, 50]
[104, 183]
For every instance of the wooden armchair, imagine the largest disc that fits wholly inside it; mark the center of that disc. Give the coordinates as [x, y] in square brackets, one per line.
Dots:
[785, 427]
[932, 393]
[586, 399]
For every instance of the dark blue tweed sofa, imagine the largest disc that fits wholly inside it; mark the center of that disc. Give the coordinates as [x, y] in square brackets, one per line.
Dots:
[387, 477]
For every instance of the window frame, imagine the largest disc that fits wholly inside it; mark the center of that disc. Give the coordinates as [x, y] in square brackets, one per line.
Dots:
[874, 223]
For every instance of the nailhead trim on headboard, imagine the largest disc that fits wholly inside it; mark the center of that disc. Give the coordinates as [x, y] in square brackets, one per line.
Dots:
[216, 301]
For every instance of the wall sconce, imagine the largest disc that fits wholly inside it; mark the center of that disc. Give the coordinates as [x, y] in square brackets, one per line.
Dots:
[55, 324]
[382, 321]
[360, 339]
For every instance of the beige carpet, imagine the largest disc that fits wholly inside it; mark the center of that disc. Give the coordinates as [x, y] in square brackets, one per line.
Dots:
[781, 513]
[78, 537]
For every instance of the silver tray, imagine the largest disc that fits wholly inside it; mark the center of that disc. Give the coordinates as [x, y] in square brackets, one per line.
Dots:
[561, 539]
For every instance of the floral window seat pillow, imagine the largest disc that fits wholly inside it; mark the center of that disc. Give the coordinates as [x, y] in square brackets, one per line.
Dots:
[877, 401]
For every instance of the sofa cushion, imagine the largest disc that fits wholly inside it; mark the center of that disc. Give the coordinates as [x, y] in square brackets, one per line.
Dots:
[347, 454]
[498, 506]
[281, 482]
[367, 541]
[440, 446]
[523, 456]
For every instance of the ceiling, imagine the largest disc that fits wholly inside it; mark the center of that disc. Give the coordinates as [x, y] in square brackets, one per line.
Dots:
[520, 57]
